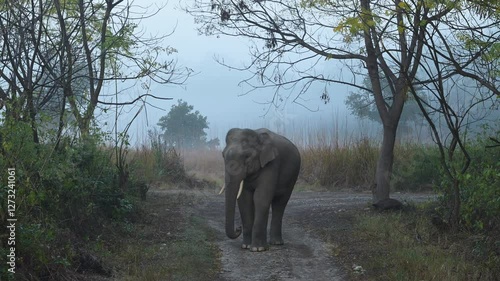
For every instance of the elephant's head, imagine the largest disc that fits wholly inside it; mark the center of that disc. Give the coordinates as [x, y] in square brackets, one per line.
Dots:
[246, 152]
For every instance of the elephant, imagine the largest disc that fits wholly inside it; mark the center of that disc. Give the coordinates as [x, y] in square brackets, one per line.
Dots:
[261, 169]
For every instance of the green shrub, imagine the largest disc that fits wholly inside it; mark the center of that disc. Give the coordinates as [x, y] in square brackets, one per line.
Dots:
[168, 163]
[408, 246]
[480, 187]
[416, 167]
[83, 186]
[481, 197]
[63, 196]
[171, 166]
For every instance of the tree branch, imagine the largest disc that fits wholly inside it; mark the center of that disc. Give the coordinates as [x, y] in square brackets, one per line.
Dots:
[133, 101]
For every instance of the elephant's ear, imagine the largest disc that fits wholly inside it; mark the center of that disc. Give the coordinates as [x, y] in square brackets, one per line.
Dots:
[268, 151]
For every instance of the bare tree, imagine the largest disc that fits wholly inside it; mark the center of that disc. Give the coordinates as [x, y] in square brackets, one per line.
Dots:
[366, 37]
[461, 62]
[61, 54]
[455, 93]
[453, 102]
[106, 40]
[21, 69]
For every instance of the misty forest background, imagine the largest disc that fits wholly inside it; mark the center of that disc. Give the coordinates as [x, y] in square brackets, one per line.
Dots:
[424, 73]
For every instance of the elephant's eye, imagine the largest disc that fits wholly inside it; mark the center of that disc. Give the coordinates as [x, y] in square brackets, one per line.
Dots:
[247, 155]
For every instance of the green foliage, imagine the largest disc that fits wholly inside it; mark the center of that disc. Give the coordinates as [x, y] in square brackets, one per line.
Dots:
[353, 27]
[480, 188]
[192, 259]
[62, 195]
[182, 127]
[314, 3]
[350, 25]
[486, 8]
[88, 193]
[168, 163]
[479, 192]
[362, 104]
[490, 51]
[42, 247]
[415, 167]
[149, 256]
[481, 197]
[414, 249]
[123, 40]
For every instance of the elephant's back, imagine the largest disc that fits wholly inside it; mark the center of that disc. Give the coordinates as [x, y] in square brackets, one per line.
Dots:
[286, 147]
[277, 138]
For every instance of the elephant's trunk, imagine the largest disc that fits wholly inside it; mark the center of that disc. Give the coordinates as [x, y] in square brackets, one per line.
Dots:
[231, 194]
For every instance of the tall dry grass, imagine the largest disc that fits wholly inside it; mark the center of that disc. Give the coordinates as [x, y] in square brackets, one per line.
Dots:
[143, 162]
[204, 163]
[330, 159]
[336, 157]
[336, 166]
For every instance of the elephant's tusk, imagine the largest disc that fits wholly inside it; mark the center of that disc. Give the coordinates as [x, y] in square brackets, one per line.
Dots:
[222, 189]
[240, 190]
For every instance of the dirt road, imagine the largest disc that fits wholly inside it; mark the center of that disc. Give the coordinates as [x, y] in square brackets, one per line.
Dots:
[305, 255]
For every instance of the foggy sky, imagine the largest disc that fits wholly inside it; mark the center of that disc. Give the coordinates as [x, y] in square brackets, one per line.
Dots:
[214, 90]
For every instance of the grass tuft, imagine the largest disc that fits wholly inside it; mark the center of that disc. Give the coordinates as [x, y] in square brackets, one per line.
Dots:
[406, 246]
[167, 245]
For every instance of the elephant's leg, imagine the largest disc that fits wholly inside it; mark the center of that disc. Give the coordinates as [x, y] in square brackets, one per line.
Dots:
[278, 205]
[245, 205]
[259, 232]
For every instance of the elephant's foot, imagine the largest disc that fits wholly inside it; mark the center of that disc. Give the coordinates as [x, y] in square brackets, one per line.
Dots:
[258, 249]
[245, 246]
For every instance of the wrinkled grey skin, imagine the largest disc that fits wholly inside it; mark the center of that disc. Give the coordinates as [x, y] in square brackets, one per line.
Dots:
[269, 165]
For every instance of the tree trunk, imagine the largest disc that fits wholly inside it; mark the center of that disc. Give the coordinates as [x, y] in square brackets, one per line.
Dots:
[32, 116]
[85, 128]
[456, 202]
[384, 164]
[60, 126]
